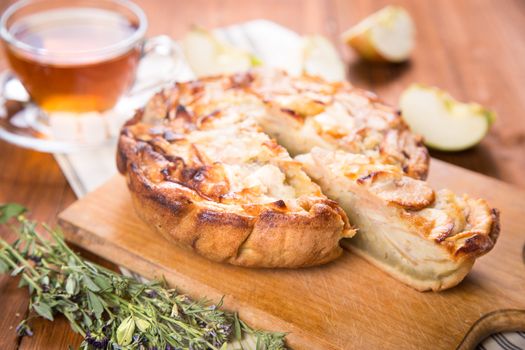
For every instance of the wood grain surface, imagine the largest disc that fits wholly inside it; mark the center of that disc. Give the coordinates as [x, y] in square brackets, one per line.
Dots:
[473, 48]
[347, 304]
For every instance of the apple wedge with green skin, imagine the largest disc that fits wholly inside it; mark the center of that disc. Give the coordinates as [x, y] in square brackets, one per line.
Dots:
[445, 123]
[320, 58]
[387, 35]
[207, 55]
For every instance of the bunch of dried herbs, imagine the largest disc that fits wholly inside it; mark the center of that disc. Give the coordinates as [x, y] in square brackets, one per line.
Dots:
[109, 310]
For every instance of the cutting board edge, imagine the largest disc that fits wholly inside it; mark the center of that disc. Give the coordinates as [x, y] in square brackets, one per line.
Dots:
[254, 316]
[504, 320]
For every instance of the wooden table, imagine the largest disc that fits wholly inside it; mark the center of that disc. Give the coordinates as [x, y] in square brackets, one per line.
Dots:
[475, 49]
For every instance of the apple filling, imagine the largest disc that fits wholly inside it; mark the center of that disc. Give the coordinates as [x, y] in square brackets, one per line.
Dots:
[426, 239]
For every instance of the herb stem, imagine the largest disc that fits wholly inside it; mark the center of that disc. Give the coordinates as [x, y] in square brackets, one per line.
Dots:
[109, 310]
[19, 257]
[31, 282]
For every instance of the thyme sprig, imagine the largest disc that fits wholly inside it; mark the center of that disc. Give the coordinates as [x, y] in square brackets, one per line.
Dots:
[109, 310]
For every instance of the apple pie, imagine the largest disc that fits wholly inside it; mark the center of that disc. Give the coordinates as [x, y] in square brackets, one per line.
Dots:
[208, 165]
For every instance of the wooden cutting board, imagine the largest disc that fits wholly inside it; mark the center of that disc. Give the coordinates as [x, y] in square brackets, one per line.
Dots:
[347, 304]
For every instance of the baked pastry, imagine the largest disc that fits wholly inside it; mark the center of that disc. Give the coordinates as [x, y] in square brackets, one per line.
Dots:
[203, 170]
[212, 181]
[427, 239]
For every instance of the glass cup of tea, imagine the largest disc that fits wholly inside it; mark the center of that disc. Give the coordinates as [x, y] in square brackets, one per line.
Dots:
[77, 57]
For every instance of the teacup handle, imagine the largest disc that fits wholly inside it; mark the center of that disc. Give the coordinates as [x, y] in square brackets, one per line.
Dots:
[162, 46]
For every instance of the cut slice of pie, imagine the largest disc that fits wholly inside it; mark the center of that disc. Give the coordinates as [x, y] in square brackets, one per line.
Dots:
[427, 239]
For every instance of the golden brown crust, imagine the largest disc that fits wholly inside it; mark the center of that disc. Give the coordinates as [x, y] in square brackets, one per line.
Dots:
[270, 239]
[206, 178]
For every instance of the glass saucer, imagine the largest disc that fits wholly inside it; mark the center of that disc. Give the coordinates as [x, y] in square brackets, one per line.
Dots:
[24, 124]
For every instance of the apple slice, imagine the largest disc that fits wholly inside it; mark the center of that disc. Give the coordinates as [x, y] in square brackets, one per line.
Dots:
[320, 58]
[207, 55]
[386, 35]
[445, 123]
